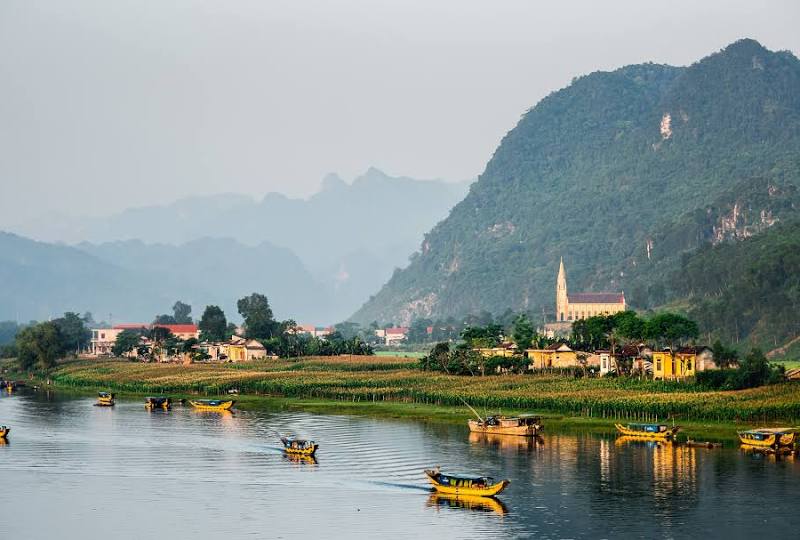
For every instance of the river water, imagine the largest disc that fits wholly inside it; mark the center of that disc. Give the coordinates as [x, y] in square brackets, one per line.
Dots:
[74, 471]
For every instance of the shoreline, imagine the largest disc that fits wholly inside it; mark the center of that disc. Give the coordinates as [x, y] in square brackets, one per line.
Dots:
[396, 410]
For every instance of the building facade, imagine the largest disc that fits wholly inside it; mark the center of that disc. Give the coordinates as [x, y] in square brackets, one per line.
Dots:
[576, 306]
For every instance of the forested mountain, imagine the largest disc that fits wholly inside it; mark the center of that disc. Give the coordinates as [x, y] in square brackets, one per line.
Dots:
[622, 173]
[133, 281]
[349, 236]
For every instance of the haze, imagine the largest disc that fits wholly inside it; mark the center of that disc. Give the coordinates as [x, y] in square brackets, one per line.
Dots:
[108, 105]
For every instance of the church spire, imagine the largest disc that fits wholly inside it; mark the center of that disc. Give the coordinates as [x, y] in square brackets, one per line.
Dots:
[561, 293]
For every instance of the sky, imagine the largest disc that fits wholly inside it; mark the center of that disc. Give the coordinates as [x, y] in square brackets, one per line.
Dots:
[106, 105]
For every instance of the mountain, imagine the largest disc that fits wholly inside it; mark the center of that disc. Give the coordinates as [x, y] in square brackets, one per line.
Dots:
[623, 174]
[349, 236]
[133, 281]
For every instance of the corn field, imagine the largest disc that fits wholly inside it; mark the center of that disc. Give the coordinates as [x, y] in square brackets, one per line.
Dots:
[373, 379]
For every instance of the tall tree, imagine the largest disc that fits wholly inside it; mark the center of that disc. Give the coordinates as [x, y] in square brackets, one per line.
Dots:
[39, 345]
[523, 332]
[213, 324]
[126, 341]
[182, 313]
[73, 331]
[257, 314]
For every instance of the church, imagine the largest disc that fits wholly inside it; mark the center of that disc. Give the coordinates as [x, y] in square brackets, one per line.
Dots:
[575, 306]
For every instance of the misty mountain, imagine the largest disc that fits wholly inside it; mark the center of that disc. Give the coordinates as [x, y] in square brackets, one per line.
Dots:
[350, 237]
[626, 174]
[133, 281]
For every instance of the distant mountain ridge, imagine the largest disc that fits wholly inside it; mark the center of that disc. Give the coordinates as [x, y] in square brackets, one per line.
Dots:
[341, 244]
[622, 173]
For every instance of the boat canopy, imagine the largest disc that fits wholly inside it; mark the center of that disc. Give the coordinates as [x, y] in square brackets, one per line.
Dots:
[105, 394]
[648, 428]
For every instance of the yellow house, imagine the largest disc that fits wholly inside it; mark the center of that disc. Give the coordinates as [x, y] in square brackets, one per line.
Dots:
[557, 355]
[686, 362]
[505, 352]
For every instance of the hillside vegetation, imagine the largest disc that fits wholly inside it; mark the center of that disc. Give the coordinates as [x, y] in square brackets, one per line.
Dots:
[626, 175]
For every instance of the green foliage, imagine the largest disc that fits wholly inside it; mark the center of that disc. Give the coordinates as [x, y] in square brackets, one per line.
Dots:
[182, 313]
[724, 356]
[670, 329]
[478, 337]
[213, 324]
[523, 333]
[258, 320]
[39, 346]
[126, 341]
[73, 331]
[754, 370]
[8, 331]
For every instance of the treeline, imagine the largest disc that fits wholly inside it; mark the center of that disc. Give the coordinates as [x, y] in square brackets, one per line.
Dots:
[40, 345]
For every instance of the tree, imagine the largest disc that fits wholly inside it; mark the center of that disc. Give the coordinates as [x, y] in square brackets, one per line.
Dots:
[126, 341]
[258, 320]
[724, 357]
[672, 329]
[213, 324]
[182, 313]
[73, 331]
[478, 337]
[39, 345]
[347, 329]
[418, 331]
[523, 332]
[164, 319]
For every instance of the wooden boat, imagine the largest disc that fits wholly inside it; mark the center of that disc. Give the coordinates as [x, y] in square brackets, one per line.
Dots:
[105, 399]
[299, 447]
[482, 486]
[159, 402]
[523, 425]
[4, 431]
[650, 431]
[702, 444]
[468, 502]
[768, 437]
[212, 404]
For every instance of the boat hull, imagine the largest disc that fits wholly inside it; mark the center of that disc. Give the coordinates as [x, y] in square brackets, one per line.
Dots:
[222, 406]
[488, 491]
[769, 440]
[4, 431]
[665, 435]
[307, 452]
[521, 431]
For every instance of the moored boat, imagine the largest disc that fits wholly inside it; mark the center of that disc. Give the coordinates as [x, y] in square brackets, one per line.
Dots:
[650, 431]
[158, 402]
[212, 404]
[523, 425]
[482, 486]
[105, 399]
[299, 447]
[768, 437]
[4, 431]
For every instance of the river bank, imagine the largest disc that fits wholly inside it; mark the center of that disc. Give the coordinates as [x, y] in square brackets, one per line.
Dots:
[389, 386]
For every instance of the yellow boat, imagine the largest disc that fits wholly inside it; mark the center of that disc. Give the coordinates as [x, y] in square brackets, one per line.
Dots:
[457, 485]
[299, 447]
[159, 402]
[768, 437]
[468, 502]
[4, 431]
[212, 404]
[649, 431]
[523, 426]
[105, 399]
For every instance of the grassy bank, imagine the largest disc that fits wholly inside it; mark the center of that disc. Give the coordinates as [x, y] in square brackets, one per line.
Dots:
[367, 381]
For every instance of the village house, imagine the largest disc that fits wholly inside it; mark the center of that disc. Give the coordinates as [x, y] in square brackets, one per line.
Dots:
[393, 336]
[103, 339]
[557, 355]
[313, 331]
[506, 350]
[237, 349]
[687, 361]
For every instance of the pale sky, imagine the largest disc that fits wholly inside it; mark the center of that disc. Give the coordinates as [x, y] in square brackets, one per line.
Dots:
[111, 104]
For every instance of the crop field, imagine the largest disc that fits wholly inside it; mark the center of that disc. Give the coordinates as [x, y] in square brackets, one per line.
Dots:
[384, 378]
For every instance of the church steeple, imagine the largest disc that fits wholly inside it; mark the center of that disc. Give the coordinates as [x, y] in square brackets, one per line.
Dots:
[561, 293]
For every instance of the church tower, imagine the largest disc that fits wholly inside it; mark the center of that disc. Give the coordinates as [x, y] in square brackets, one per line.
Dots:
[561, 293]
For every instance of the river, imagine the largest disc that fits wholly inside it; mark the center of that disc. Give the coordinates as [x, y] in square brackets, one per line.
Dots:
[74, 471]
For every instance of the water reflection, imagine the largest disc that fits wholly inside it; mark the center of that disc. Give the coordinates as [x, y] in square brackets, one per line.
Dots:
[513, 443]
[297, 458]
[769, 454]
[464, 502]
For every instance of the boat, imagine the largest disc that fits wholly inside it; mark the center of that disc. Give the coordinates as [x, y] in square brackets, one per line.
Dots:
[523, 425]
[702, 444]
[650, 431]
[467, 502]
[299, 447]
[212, 404]
[159, 402]
[4, 431]
[768, 437]
[105, 399]
[481, 486]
